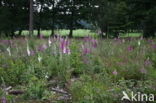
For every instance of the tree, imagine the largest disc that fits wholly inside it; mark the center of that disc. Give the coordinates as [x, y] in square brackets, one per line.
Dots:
[31, 18]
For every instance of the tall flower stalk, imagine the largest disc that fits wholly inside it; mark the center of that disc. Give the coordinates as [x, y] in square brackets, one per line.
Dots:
[28, 49]
[64, 46]
[9, 51]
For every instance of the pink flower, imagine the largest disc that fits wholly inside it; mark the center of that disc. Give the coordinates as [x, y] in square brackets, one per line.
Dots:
[143, 71]
[130, 48]
[66, 50]
[42, 47]
[32, 52]
[153, 46]
[5, 41]
[147, 62]
[3, 100]
[86, 50]
[64, 46]
[87, 39]
[115, 72]
[94, 43]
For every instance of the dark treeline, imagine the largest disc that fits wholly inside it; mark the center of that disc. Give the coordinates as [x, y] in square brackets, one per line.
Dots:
[108, 16]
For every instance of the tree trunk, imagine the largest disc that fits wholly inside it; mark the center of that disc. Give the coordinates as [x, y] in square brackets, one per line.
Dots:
[38, 32]
[20, 32]
[72, 20]
[31, 18]
[53, 19]
[71, 25]
[52, 29]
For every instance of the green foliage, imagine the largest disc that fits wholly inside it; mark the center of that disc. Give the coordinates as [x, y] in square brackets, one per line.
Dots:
[36, 89]
[97, 77]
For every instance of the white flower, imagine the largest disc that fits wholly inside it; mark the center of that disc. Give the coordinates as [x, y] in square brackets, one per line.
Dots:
[39, 58]
[123, 40]
[49, 42]
[9, 51]
[46, 76]
[139, 43]
[28, 50]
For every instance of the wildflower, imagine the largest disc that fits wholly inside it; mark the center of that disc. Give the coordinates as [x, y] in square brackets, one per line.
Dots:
[123, 40]
[46, 75]
[9, 51]
[28, 50]
[66, 50]
[64, 46]
[139, 43]
[94, 43]
[85, 50]
[32, 52]
[42, 47]
[3, 100]
[39, 58]
[143, 71]
[49, 42]
[86, 39]
[153, 46]
[115, 72]
[7, 42]
[147, 62]
[130, 48]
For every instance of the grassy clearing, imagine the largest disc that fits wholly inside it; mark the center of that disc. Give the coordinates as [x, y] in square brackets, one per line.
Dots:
[63, 32]
[85, 71]
[77, 33]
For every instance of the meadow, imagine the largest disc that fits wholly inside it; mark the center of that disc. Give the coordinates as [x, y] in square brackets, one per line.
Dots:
[63, 70]
[77, 33]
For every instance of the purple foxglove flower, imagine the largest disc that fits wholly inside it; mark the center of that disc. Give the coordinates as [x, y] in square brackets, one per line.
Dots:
[115, 72]
[143, 71]
[153, 46]
[42, 47]
[94, 43]
[32, 52]
[66, 50]
[5, 42]
[3, 100]
[130, 48]
[86, 50]
[150, 41]
[147, 62]
[64, 46]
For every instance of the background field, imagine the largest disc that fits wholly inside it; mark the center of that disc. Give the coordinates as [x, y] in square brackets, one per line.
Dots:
[78, 33]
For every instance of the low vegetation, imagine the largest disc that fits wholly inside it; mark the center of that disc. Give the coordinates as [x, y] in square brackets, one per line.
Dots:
[89, 70]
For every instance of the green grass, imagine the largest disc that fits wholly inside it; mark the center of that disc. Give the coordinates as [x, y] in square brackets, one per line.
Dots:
[131, 35]
[77, 33]
[63, 32]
